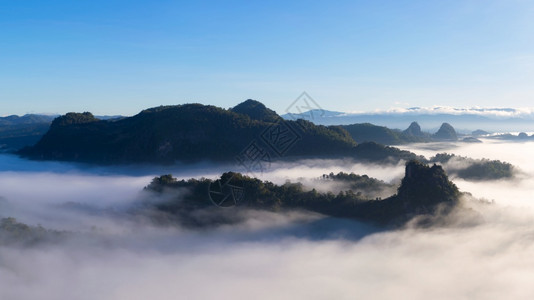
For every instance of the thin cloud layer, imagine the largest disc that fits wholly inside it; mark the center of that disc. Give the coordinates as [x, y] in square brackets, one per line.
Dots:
[516, 191]
[524, 113]
[492, 260]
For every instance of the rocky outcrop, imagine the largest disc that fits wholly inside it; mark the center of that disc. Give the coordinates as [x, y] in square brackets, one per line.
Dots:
[414, 130]
[446, 132]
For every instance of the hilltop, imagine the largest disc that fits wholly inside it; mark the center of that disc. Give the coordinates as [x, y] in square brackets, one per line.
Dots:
[446, 132]
[256, 111]
[424, 191]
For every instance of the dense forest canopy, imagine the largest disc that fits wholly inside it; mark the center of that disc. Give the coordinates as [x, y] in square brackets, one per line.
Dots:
[423, 190]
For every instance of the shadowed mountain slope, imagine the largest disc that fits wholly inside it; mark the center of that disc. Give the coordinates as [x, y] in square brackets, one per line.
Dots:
[193, 132]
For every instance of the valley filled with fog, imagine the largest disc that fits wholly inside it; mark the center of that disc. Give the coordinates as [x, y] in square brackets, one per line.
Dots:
[266, 150]
[509, 192]
[106, 251]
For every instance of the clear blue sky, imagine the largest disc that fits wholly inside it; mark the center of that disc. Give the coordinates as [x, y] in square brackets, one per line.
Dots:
[118, 57]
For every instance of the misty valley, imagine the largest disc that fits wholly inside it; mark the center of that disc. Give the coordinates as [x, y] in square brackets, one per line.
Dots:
[266, 150]
[167, 202]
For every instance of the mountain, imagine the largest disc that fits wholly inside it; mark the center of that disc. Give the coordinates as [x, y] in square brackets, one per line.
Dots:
[16, 137]
[256, 111]
[472, 140]
[479, 132]
[466, 120]
[423, 187]
[13, 232]
[26, 119]
[378, 153]
[248, 133]
[313, 115]
[74, 119]
[446, 132]
[424, 191]
[113, 117]
[367, 132]
[20, 132]
[522, 136]
[413, 130]
[188, 132]
[475, 169]
[17, 132]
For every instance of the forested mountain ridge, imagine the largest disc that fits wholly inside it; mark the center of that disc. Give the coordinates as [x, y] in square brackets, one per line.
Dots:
[424, 191]
[192, 132]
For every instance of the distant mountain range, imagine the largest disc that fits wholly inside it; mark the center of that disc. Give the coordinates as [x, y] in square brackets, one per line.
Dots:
[384, 127]
[26, 119]
[465, 120]
[367, 132]
[19, 131]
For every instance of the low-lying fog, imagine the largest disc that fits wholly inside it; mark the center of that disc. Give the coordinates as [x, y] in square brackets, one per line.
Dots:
[517, 192]
[112, 255]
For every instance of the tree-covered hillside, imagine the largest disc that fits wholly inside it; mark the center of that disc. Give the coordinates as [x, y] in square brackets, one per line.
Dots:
[192, 132]
[424, 191]
[474, 169]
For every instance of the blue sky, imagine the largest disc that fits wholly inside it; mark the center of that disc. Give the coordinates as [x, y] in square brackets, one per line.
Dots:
[119, 57]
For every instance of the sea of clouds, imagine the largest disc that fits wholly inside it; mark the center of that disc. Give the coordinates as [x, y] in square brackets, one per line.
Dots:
[297, 255]
[498, 113]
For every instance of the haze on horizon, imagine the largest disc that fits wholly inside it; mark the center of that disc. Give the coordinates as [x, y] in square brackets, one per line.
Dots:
[124, 56]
